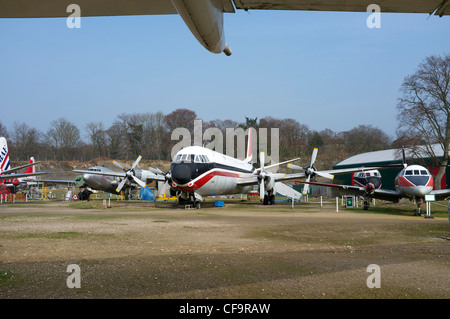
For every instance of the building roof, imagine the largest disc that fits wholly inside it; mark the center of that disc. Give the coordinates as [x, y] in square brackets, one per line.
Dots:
[390, 155]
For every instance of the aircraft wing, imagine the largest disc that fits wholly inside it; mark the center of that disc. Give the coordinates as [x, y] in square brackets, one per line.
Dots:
[54, 181]
[89, 8]
[278, 177]
[357, 169]
[15, 176]
[57, 8]
[438, 7]
[150, 176]
[383, 194]
[115, 174]
[441, 194]
[19, 168]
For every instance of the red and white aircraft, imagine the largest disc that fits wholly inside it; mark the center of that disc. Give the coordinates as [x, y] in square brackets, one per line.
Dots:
[10, 180]
[197, 171]
[413, 182]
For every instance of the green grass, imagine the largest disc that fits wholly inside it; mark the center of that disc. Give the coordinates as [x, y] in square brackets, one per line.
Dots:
[7, 278]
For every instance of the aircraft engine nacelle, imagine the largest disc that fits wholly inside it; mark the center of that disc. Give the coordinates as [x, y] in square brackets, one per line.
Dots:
[269, 184]
[370, 188]
[205, 20]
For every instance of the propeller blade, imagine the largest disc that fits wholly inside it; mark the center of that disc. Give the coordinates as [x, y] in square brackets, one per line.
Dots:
[326, 175]
[118, 165]
[261, 160]
[119, 188]
[306, 186]
[164, 188]
[261, 184]
[313, 157]
[136, 162]
[295, 167]
[139, 182]
[261, 189]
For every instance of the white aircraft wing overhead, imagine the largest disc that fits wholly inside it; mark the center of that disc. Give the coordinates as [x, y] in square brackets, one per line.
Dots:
[438, 7]
[205, 17]
[58, 8]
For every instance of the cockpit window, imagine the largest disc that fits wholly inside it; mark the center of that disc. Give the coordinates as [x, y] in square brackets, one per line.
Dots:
[416, 172]
[423, 172]
[408, 172]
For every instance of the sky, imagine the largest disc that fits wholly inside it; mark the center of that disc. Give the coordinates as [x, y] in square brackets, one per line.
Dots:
[323, 69]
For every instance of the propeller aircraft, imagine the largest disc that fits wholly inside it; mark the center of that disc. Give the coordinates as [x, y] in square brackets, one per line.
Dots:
[412, 182]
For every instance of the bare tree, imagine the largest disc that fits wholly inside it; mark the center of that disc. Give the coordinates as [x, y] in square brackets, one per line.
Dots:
[424, 109]
[98, 137]
[366, 138]
[64, 137]
[25, 141]
[3, 131]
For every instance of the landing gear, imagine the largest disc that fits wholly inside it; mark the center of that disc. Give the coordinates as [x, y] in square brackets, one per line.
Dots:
[269, 199]
[366, 204]
[418, 211]
[189, 201]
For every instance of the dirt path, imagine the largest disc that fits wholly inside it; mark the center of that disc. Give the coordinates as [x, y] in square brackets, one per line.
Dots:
[258, 252]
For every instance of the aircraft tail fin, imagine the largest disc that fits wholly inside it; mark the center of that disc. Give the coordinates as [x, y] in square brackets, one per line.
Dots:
[249, 157]
[31, 169]
[4, 155]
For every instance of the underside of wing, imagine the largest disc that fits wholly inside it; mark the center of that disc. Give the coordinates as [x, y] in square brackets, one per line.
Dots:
[383, 194]
[439, 7]
[441, 194]
[15, 176]
[386, 194]
[58, 8]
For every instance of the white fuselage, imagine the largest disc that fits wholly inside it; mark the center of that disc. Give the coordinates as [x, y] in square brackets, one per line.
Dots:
[203, 171]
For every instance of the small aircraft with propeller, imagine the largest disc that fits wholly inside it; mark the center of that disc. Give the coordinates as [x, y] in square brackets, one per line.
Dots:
[413, 182]
[105, 179]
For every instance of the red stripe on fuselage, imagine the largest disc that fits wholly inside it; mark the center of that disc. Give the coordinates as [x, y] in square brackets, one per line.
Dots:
[403, 182]
[205, 179]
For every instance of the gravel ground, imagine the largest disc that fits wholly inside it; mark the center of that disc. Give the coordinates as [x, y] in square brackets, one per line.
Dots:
[142, 250]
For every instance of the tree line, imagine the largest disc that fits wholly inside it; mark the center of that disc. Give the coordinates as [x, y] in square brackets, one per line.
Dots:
[423, 120]
[149, 135]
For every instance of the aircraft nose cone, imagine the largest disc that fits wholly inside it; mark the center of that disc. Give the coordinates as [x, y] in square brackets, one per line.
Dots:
[181, 174]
